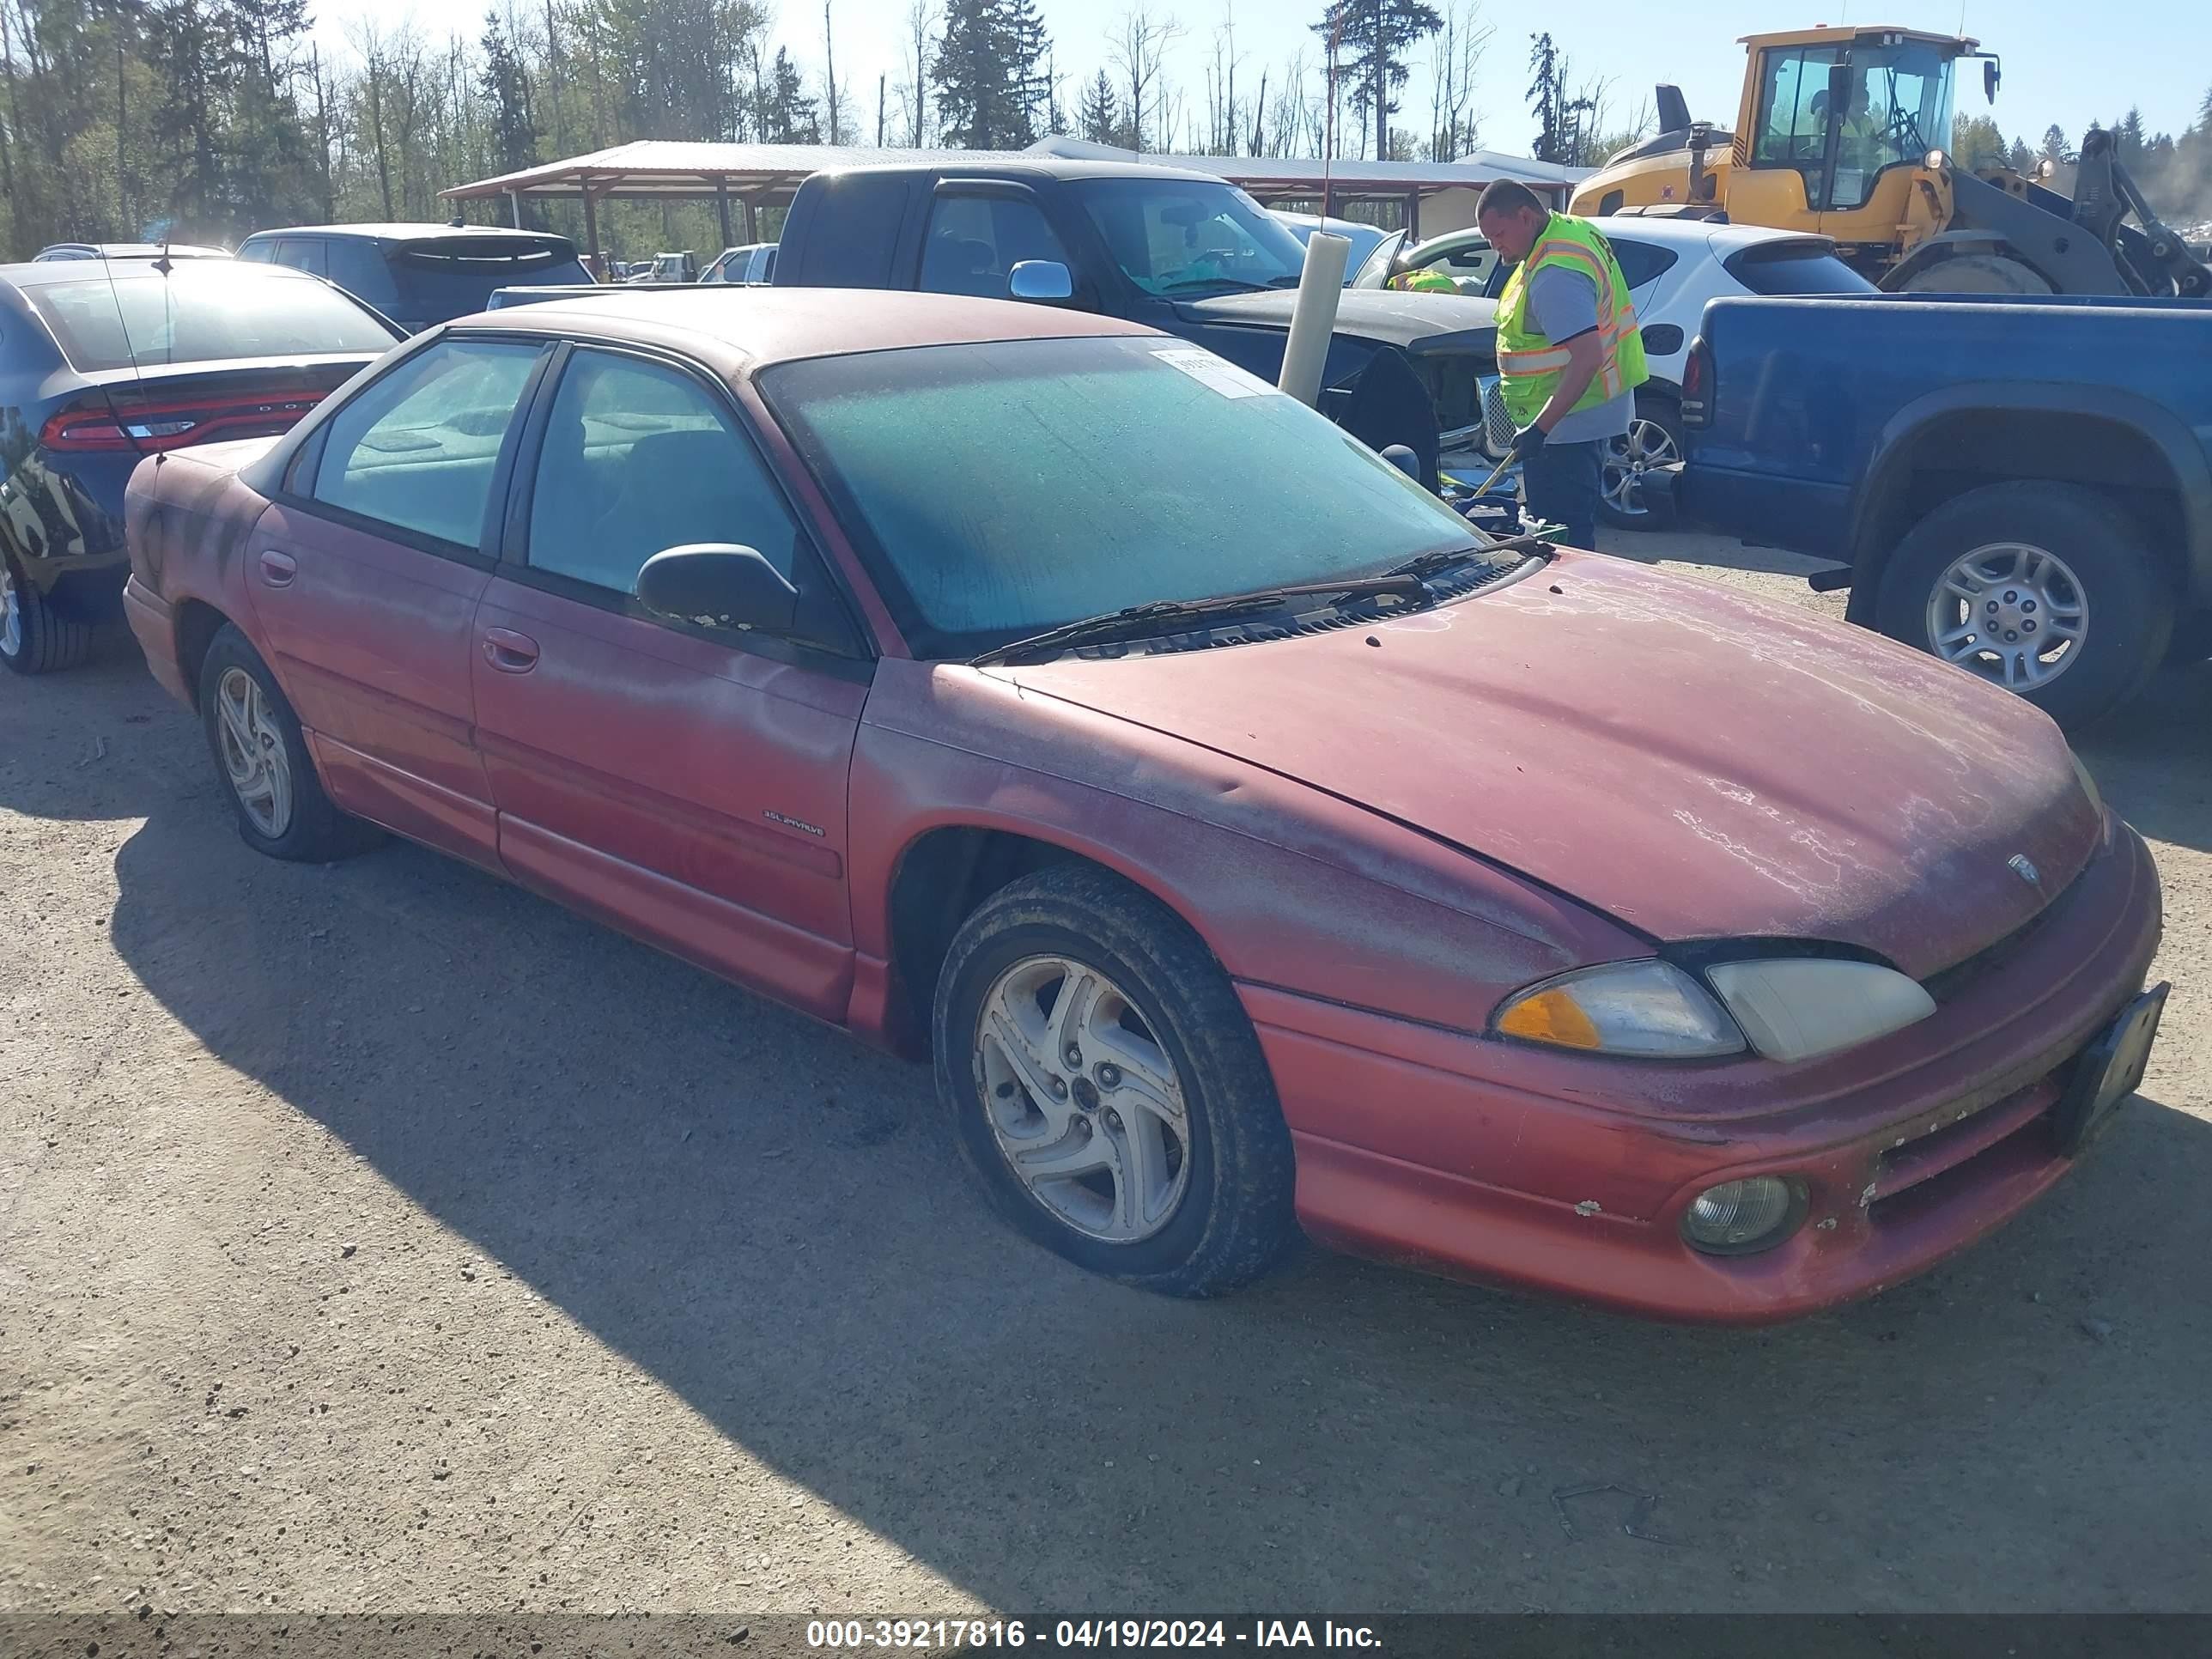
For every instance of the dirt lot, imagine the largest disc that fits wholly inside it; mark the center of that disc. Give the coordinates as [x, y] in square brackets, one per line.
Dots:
[378, 1237]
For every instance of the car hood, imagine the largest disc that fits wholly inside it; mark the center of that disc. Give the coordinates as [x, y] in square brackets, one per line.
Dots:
[1694, 763]
[1416, 322]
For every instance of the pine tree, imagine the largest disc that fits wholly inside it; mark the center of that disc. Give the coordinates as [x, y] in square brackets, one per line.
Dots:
[989, 71]
[791, 116]
[507, 88]
[1098, 117]
[2054, 143]
[1371, 39]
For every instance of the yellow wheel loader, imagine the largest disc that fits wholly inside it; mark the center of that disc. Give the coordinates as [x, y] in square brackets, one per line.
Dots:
[1842, 132]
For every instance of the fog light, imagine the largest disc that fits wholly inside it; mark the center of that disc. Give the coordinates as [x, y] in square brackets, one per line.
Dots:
[1739, 1216]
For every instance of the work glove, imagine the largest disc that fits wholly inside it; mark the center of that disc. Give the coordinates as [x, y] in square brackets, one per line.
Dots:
[1527, 442]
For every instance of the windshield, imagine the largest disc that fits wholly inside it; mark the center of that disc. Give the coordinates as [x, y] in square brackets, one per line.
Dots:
[1171, 237]
[1000, 490]
[1900, 108]
[200, 314]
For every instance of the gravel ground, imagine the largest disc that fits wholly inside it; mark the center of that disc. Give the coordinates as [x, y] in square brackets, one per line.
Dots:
[376, 1237]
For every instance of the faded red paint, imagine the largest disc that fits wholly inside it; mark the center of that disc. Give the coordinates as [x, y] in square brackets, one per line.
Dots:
[1378, 841]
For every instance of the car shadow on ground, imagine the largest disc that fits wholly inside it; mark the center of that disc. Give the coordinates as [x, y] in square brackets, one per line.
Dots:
[771, 1221]
[2153, 757]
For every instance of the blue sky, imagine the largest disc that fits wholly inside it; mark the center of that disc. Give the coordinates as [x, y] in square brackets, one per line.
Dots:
[2062, 62]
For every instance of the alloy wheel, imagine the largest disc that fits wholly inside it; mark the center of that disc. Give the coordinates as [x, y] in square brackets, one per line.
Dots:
[1086, 1105]
[2012, 613]
[253, 753]
[1645, 447]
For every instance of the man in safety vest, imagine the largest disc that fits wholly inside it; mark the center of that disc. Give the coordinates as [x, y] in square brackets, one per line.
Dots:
[1568, 350]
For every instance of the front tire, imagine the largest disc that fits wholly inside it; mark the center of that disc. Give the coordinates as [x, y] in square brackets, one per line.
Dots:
[261, 756]
[2043, 589]
[1974, 273]
[34, 637]
[1108, 1089]
[1654, 439]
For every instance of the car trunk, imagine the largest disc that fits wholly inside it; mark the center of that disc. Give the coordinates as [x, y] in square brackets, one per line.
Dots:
[178, 405]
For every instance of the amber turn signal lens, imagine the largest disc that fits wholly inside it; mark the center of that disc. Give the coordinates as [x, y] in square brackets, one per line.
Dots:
[1550, 1017]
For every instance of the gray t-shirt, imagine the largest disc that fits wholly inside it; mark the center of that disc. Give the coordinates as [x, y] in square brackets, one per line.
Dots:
[1564, 302]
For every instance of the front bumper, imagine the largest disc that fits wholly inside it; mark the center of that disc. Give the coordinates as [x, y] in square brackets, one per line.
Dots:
[1570, 1176]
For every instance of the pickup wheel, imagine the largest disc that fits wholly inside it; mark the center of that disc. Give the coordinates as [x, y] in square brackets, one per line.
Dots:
[262, 757]
[1106, 1087]
[2043, 589]
[1654, 439]
[35, 638]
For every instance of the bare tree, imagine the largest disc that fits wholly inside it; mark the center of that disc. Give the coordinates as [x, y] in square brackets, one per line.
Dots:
[829, 79]
[1454, 128]
[1139, 47]
[919, 47]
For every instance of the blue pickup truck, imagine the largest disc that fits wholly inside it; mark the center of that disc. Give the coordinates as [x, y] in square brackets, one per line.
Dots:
[2022, 486]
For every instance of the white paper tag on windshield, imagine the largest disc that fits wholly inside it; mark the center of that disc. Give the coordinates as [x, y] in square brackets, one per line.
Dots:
[1215, 373]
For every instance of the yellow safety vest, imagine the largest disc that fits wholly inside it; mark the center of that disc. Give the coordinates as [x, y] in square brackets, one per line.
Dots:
[1428, 280]
[1531, 365]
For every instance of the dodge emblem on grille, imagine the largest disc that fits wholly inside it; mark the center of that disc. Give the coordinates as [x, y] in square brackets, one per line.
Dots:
[2024, 866]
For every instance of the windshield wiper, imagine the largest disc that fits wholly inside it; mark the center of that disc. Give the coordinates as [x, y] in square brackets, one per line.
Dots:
[1142, 620]
[1236, 283]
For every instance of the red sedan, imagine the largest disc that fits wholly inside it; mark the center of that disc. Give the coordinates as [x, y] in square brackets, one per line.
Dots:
[1248, 848]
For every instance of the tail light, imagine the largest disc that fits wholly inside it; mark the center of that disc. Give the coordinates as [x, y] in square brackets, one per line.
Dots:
[152, 427]
[1698, 384]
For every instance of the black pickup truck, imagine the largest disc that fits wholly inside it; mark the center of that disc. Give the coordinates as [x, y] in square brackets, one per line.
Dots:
[2022, 486]
[1181, 252]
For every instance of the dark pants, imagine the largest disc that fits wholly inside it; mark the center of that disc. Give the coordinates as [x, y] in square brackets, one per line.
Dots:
[1562, 482]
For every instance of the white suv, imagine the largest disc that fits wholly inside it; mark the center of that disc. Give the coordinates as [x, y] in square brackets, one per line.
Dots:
[1672, 267]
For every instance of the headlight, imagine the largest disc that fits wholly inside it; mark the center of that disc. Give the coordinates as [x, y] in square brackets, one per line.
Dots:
[1798, 1008]
[1739, 1216]
[1651, 1009]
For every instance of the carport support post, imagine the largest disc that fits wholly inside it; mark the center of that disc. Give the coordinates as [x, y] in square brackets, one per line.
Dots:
[591, 236]
[752, 221]
[1412, 217]
[722, 212]
[514, 209]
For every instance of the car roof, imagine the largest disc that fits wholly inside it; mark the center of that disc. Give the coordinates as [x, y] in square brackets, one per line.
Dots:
[410, 233]
[54, 251]
[41, 272]
[1022, 165]
[1688, 233]
[742, 331]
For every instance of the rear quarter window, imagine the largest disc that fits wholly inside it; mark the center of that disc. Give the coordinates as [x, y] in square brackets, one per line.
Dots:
[1640, 262]
[1794, 268]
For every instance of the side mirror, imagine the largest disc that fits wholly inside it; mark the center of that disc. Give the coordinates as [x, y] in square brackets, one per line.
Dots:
[1990, 79]
[718, 585]
[1405, 460]
[1045, 282]
[1839, 85]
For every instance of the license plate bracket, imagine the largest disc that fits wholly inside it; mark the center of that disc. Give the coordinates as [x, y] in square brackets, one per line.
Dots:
[2108, 1071]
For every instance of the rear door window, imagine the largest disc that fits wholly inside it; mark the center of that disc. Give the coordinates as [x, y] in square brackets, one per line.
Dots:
[974, 243]
[640, 457]
[357, 264]
[1640, 262]
[416, 450]
[303, 253]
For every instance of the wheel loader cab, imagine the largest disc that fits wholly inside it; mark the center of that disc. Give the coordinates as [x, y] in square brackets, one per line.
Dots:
[1835, 128]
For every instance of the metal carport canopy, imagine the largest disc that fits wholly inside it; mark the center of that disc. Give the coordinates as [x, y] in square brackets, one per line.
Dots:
[756, 175]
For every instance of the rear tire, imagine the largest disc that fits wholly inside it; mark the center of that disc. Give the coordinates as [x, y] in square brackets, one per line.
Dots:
[1069, 995]
[34, 637]
[2081, 567]
[1974, 273]
[1654, 439]
[261, 755]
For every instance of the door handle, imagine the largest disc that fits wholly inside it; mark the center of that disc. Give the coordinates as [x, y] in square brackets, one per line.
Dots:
[278, 570]
[509, 651]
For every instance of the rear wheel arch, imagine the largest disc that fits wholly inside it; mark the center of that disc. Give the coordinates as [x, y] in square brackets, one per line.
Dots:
[198, 624]
[2131, 452]
[945, 873]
